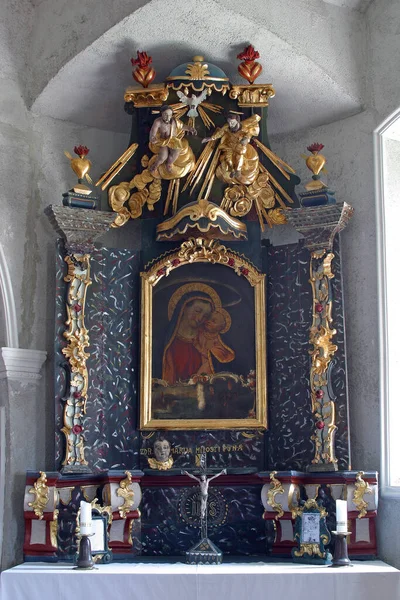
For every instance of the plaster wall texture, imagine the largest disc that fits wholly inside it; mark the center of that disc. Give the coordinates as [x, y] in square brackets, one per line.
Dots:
[329, 35]
[322, 44]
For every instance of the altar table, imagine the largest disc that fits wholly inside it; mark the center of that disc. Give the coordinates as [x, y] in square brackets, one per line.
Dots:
[372, 580]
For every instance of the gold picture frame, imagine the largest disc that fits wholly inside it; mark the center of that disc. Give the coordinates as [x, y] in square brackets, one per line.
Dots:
[195, 290]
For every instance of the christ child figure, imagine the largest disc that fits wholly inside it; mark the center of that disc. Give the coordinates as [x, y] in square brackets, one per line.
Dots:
[209, 341]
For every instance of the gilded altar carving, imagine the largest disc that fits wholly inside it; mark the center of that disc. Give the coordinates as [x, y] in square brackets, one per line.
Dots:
[361, 488]
[77, 336]
[321, 334]
[256, 95]
[275, 489]
[126, 492]
[154, 95]
[41, 492]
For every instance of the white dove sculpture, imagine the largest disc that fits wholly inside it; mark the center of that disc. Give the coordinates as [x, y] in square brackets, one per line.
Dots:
[192, 102]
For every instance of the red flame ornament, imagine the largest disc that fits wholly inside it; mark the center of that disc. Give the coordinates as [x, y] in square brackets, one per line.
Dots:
[144, 72]
[250, 69]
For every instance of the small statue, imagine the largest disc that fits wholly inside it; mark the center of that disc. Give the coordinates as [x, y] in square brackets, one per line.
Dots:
[239, 162]
[163, 460]
[167, 141]
[204, 482]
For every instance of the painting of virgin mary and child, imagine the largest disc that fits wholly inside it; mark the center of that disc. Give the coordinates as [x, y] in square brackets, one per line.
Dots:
[205, 370]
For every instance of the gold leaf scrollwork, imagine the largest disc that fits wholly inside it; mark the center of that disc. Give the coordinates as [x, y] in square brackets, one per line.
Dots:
[322, 352]
[125, 491]
[148, 191]
[203, 250]
[53, 530]
[41, 492]
[361, 487]
[78, 278]
[276, 488]
[310, 549]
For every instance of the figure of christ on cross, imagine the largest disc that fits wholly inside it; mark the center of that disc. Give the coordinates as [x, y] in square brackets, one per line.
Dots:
[204, 482]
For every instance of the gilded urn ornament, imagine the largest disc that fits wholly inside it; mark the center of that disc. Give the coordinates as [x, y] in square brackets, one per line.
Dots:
[315, 163]
[144, 72]
[249, 69]
[81, 167]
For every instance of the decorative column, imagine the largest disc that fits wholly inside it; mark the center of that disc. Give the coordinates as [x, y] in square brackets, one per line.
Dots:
[79, 228]
[319, 225]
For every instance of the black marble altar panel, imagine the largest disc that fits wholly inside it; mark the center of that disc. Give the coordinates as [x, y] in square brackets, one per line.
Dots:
[289, 317]
[166, 532]
[230, 448]
[112, 318]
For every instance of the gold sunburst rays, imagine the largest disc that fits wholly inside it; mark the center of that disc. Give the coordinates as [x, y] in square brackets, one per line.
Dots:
[210, 176]
[278, 162]
[180, 111]
[201, 164]
[172, 194]
[278, 187]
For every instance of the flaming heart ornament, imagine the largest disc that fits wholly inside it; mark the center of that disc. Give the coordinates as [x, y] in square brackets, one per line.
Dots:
[81, 167]
[144, 73]
[315, 163]
[249, 69]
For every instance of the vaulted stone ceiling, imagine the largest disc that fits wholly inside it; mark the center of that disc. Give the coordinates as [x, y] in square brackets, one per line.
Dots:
[313, 52]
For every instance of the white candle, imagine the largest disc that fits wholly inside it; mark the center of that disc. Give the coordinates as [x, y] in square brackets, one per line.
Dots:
[341, 516]
[86, 518]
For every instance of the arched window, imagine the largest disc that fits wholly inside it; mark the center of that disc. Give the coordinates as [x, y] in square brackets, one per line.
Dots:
[387, 171]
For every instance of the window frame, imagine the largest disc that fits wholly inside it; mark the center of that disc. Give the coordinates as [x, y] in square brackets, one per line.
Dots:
[386, 489]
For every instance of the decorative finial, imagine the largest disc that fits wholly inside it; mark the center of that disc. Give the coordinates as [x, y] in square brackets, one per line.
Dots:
[249, 69]
[315, 163]
[143, 73]
[81, 167]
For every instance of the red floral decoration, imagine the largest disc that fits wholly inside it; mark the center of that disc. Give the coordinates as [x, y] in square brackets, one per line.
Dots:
[81, 151]
[143, 73]
[77, 429]
[77, 308]
[161, 272]
[244, 271]
[315, 147]
[176, 262]
[319, 394]
[77, 394]
[320, 425]
[249, 54]
[319, 307]
[231, 262]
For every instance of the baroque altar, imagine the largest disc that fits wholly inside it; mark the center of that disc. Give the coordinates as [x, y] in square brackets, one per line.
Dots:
[191, 335]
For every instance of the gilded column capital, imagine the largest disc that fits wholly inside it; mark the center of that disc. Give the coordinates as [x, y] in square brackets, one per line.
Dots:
[320, 224]
[79, 227]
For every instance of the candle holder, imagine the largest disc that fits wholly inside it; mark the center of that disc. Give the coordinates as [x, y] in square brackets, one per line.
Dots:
[340, 556]
[85, 559]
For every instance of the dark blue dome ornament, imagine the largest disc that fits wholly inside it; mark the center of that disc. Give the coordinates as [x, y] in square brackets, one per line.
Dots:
[198, 75]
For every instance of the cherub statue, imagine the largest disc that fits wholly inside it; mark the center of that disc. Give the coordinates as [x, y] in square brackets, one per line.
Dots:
[204, 482]
[168, 143]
